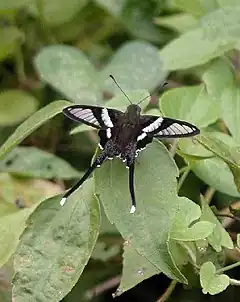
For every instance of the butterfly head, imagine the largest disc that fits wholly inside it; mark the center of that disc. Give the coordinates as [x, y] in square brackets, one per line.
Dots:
[133, 111]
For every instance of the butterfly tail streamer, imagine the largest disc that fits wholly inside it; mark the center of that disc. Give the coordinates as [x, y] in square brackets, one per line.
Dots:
[97, 163]
[131, 188]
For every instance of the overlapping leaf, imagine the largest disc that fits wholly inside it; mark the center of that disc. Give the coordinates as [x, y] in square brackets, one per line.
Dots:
[33, 162]
[31, 124]
[56, 244]
[69, 71]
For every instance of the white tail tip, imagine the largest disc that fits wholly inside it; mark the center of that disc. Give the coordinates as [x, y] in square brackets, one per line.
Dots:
[133, 209]
[62, 202]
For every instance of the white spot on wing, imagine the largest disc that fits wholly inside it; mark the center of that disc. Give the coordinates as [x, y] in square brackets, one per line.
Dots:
[109, 133]
[106, 118]
[141, 136]
[153, 126]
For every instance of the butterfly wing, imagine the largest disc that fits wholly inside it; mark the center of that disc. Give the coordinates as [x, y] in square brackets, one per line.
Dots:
[163, 127]
[97, 117]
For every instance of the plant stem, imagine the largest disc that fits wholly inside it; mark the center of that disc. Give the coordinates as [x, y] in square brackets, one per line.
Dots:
[168, 292]
[234, 282]
[183, 177]
[209, 195]
[228, 267]
[20, 70]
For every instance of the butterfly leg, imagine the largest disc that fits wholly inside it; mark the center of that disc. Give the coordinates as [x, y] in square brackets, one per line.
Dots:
[96, 164]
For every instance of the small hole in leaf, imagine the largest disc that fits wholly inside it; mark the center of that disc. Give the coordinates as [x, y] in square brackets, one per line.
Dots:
[49, 167]
[10, 161]
[20, 204]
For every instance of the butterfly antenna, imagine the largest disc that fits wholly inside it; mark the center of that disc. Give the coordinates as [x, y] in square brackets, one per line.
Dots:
[154, 91]
[112, 77]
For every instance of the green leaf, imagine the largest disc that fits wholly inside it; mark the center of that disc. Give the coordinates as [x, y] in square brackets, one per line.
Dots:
[33, 162]
[192, 104]
[218, 76]
[119, 102]
[16, 105]
[156, 197]
[238, 240]
[180, 22]
[13, 4]
[56, 244]
[216, 174]
[211, 282]
[13, 219]
[69, 71]
[136, 268]
[195, 7]
[55, 12]
[31, 124]
[230, 155]
[184, 228]
[231, 110]
[219, 237]
[11, 38]
[218, 33]
[191, 149]
[136, 65]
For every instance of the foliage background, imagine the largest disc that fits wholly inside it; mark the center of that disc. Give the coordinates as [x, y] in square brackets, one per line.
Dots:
[56, 52]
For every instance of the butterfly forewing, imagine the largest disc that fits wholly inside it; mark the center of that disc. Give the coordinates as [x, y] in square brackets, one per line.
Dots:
[97, 117]
[167, 127]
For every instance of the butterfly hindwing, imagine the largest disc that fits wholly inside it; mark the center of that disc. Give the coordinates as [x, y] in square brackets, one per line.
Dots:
[166, 127]
[97, 117]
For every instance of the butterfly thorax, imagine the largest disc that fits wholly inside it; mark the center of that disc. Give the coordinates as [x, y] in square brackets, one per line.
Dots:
[132, 114]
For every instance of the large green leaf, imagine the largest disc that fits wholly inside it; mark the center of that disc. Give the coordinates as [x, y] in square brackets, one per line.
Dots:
[16, 105]
[57, 12]
[10, 38]
[69, 71]
[211, 282]
[31, 124]
[218, 33]
[157, 204]
[56, 245]
[136, 65]
[192, 104]
[136, 268]
[33, 162]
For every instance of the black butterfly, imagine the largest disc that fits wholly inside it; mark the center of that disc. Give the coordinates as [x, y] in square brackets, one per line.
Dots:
[124, 135]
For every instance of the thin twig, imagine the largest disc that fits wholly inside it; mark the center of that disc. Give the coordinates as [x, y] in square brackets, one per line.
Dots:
[209, 195]
[228, 267]
[173, 148]
[168, 291]
[102, 287]
[183, 177]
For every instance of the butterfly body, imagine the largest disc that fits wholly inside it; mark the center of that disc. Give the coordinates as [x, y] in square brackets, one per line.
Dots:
[124, 135]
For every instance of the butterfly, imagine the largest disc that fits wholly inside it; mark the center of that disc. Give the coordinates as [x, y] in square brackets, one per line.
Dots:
[124, 135]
